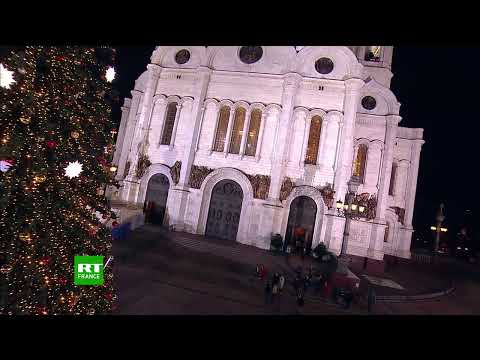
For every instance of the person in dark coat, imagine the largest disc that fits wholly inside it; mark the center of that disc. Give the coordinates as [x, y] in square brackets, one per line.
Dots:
[268, 292]
[371, 299]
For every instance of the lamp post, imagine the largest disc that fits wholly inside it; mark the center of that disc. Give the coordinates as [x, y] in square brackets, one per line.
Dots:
[353, 185]
[440, 217]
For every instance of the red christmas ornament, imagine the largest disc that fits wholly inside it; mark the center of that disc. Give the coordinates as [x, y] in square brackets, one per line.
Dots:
[51, 144]
[59, 58]
[102, 160]
[109, 296]
[41, 310]
[44, 260]
[114, 224]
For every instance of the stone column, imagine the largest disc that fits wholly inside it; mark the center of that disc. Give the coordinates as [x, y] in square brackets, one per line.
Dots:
[400, 183]
[175, 125]
[412, 181]
[299, 116]
[373, 174]
[321, 145]
[378, 229]
[246, 125]
[345, 151]
[331, 140]
[158, 118]
[229, 131]
[130, 128]
[208, 129]
[121, 131]
[280, 156]
[306, 134]
[260, 135]
[144, 119]
[180, 194]
[386, 168]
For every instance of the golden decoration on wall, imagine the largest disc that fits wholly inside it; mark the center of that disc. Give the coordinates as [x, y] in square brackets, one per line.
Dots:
[175, 171]
[197, 175]
[25, 120]
[75, 134]
[286, 189]
[260, 185]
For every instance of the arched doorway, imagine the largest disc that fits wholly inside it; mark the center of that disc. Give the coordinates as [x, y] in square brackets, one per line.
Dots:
[301, 221]
[157, 193]
[224, 211]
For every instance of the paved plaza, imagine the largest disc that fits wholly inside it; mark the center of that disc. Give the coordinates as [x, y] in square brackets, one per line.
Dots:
[163, 273]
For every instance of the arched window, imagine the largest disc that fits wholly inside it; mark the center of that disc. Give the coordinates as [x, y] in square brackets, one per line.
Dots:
[387, 231]
[373, 53]
[391, 188]
[169, 123]
[237, 130]
[360, 162]
[253, 130]
[222, 127]
[313, 140]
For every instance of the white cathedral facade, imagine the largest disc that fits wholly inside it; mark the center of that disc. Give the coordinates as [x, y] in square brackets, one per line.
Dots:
[243, 142]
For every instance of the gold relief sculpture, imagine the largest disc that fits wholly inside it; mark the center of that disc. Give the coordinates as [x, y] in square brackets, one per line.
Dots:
[143, 164]
[286, 189]
[198, 174]
[260, 185]
[175, 171]
[328, 195]
[400, 213]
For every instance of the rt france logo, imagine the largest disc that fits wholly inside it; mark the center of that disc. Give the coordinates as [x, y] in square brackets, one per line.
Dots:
[88, 270]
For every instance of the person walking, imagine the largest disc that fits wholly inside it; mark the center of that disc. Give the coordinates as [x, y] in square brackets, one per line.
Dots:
[274, 292]
[281, 283]
[371, 299]
[268, 292]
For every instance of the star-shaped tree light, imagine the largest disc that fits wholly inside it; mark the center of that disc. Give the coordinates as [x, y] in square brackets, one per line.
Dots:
[73, 169]
[110, 74]
[6, 77]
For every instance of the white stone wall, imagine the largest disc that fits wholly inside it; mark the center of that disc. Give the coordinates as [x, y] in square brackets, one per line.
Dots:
[286, 87]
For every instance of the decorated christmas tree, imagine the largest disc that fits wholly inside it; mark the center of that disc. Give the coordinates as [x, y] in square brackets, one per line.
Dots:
[56, 144]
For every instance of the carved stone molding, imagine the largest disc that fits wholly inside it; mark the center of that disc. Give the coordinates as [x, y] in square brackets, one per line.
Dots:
[286, 189]
[400, 213]
[175, 171]
[328, 195]
[197, 175]
[143, 164]
[260, 185]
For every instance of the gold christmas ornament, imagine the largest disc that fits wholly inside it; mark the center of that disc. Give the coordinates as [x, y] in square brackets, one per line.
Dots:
[25, 236]
[113, 169]
[25, 120]
[40, 178]
[75, 134]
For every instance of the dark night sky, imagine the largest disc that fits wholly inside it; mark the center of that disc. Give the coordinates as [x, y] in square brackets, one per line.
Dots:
[437, 92]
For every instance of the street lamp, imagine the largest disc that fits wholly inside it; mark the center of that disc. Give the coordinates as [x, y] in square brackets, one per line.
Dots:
[353, 185]
[440, 217]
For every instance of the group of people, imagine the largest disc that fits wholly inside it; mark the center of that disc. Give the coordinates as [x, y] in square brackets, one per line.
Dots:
[274, 287]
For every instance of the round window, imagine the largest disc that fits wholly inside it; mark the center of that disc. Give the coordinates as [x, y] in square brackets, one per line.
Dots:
[250, 54]
[324, 65]
[369, 103]
[182, 56]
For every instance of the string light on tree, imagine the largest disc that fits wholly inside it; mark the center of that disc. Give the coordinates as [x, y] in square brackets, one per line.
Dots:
[6, 77]
[73, 169]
